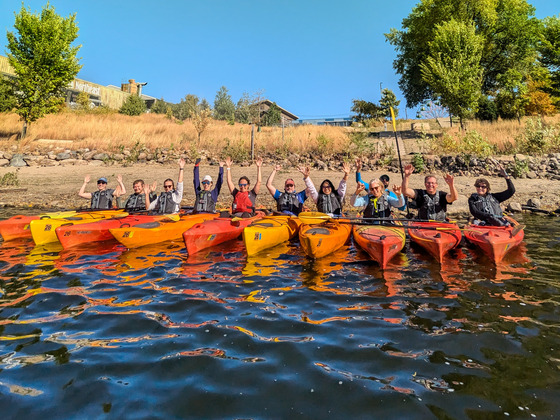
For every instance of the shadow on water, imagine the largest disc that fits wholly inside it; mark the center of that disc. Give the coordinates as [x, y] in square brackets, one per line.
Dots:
[154, 332]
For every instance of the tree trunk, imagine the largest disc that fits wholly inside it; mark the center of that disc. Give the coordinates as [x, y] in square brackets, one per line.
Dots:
[23, 130]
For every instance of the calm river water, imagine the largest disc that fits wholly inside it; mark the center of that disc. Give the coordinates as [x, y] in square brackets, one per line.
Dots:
[151, 333]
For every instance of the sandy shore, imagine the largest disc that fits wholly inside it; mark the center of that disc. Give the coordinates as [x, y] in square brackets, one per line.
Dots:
[57, 187]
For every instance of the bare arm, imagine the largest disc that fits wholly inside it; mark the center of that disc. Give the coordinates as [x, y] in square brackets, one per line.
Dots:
[230, 185]
[83, 192]
[257, 187]
[120, 190]
[409, 192]
[270, 179]
[181, 170]
[453, 194]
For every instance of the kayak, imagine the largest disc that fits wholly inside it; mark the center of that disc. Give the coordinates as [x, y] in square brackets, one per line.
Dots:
[495, 241]
[18, 226]
[213, 232]
[158, 231]
[438, 238]
[382, 243]
[322, 239]
[80, 234]
[268, 232]
[44, 230]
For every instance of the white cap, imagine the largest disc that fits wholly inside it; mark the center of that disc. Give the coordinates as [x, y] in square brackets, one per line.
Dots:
[207, 178]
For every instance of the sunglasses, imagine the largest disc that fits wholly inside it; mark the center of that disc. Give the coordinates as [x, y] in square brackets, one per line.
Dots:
[100, 182]
[168, 186]
[205, 182]
[326, 187]
[481, 186]
[243, 185]
[290, 185]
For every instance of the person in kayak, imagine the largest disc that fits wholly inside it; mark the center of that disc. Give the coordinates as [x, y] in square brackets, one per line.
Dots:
[383, 178]
[328, 200]
[102, 199]
[169, 201]
[485, 206]
[289, 201]
[244, 199]
[206, 197]
[431, 203]
[377, 203]
[137, 201]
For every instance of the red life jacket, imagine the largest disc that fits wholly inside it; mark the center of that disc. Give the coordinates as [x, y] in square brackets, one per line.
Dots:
[242, 203]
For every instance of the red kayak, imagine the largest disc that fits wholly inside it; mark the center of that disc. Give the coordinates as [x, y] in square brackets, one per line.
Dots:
[382, 243]
[214, 232]
[17, 227]
[438, 238]
[73, 235]
[495, 241]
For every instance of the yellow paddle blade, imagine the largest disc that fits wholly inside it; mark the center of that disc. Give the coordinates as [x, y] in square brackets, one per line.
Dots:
[173, 217]
[393, 119]
[313, 217]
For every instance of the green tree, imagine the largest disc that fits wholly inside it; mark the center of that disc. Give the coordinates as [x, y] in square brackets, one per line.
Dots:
[224, 109]
[272, 116]
[389, 100]
[160, 107]
[43, 60]
[83, 101]
[512, 98]
[364, 110]
[204, 104]
[133, 106]
[487, 109]
[452, 69]
[549, 49]
[7, 94]
[186, 108]
[200, 119]
[509, 34]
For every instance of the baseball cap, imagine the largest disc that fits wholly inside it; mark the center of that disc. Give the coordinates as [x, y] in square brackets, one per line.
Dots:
[207, 178]
[102, 180]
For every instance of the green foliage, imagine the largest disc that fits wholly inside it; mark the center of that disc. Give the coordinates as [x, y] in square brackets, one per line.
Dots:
[518, 168]
[236, 151]
[133, 106]
[43, 61]
[359, 143]
[452, 69]
[473, 144]
[272, 116]
[418, 162]
[539, 138]
[364, 110]
[432, 110]
[188, 106]
[487, 109]
[83, 101]
[512, 98]
[549, 49]
[7, 95]
[160, 107]
[324, 144]
[9, 179]
[389, 100]
[200, 120]
[247, 110]
[224, 109]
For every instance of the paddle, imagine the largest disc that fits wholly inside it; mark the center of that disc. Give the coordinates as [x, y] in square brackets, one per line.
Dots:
[313, 218]
[547, 212]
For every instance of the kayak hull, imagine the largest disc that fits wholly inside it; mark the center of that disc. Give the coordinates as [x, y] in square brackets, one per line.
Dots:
[17, 227]
[494, 241]
[44, 230]
[268, 232]
[381, 243]
[320, 240]
[214, 232]
[87, 233]
[438, 238]
[158, 231]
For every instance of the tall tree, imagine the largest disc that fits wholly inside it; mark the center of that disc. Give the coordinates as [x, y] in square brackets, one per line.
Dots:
[7, 94]
[364, 110]
[508, 28]
[200, 119]
[43, 60]
[224, 109]
[389, 100]
[512, 98]
[272, 116]
[549, 49]
[452, 69]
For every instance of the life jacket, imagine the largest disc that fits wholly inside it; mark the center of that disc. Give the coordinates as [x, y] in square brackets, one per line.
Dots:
[242, 203]
[204, 202]
[166, 205]
[379, 207]
[329, 203]
[136, 202]
[289, 202]
[102, 199]
[487, 204]
[431, 209]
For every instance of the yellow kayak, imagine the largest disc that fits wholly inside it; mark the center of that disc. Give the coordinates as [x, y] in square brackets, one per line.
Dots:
[43, 230]
[319, 240]
[158, 231]
[17, 227]
[268, 232]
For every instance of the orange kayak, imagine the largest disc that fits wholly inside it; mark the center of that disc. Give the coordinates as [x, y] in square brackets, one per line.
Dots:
[74, 235]
[213, 232]
[382, 243]
[18, 226]
[269, 232]
[158, 231]
[322, 239]
[438, 238]
[495, 241]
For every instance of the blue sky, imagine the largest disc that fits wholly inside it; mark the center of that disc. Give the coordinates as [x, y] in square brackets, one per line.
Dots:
[310, 57]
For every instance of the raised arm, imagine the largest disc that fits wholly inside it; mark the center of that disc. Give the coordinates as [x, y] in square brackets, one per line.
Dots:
[257, 186]
[220, 179]
[359, 175]
[310, 187]
[82, 192]
[271, 189]
[399, 201]
[181, 170]
[196, 176]
[120, 190]
[452, 195]
[359, 188]
[342, 186]
[504, 195]
[409, 192]
[230, 185]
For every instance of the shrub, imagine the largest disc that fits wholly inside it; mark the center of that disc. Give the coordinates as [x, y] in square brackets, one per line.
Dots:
[539, 138]
[518, 168]
[9, 179]
[475, 145]
[418, 162]
[133, 106]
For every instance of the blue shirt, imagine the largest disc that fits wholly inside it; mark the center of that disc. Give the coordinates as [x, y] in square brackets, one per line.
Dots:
[300, 195]
[389, 192]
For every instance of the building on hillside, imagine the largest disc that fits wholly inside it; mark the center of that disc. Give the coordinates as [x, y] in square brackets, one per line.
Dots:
[286, 116]
[339, 122]
[110, 96]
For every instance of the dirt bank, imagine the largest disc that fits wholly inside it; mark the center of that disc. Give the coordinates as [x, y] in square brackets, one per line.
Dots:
[57, 187]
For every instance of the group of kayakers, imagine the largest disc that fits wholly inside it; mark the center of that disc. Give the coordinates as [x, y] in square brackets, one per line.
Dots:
[378, 202]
